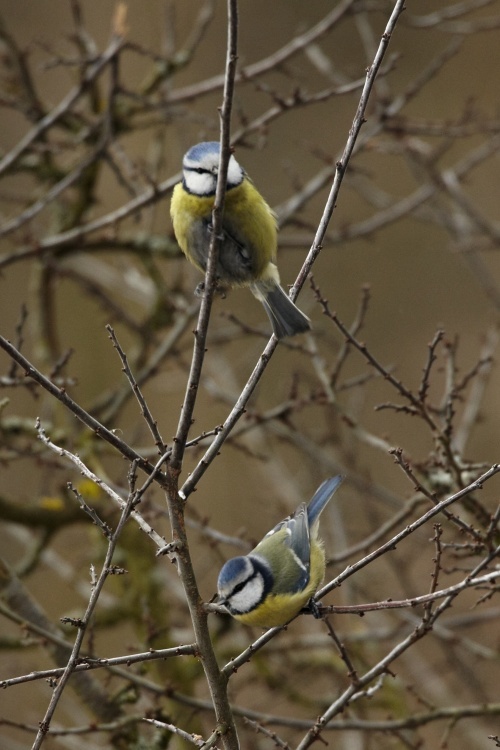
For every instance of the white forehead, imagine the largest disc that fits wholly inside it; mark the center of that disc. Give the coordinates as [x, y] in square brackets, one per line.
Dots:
[205, 156]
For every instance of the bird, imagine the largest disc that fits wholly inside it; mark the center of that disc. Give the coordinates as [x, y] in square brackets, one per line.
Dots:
[278, 578]
[248, 245]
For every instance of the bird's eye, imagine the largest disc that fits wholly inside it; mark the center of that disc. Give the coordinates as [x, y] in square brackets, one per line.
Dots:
[200, 170]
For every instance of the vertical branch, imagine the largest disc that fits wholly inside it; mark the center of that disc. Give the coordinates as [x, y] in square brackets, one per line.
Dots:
[217, 681]
[200, 334]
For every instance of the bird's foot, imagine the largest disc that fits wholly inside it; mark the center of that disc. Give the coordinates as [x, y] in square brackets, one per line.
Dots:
[314, 608]
[200, 289]
[220, 290]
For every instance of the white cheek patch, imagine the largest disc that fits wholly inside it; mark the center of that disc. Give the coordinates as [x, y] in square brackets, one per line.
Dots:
[234, 172]
[249, 596]
[200, 184]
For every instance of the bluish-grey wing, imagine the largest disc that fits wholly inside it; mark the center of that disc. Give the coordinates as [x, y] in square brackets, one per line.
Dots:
[298, 536]
[295, 536]
[236, 259]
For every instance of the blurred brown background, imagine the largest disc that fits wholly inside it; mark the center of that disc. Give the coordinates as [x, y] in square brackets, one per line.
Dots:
[420, 279]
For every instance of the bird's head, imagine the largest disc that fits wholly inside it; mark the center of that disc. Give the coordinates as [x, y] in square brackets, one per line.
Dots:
[200, 167]
[244, 583]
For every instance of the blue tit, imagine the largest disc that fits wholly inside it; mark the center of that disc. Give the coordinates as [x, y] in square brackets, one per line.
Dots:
[247, 249]
[277, 579]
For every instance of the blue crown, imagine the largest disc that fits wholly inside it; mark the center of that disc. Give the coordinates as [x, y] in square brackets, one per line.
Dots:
[196, 153]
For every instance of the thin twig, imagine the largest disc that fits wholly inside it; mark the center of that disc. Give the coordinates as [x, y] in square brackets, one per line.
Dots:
[120, 502]
[85, 663]
[193, 739]
[414, 601]
[61, 395]
[391, 544]
[82, 625]
[146, 413]
[249, 72]
[64, 106]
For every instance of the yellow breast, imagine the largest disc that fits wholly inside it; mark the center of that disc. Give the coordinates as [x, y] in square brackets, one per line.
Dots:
[247, 219]
[278, 609]
[275, 610]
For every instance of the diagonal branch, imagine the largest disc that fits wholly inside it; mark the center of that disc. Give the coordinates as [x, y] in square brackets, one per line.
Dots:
[82, 627]
[359, 119]
[64, 106]
[61, 395]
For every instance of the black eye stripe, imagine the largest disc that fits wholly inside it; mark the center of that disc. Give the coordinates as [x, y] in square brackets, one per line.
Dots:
[198, 170]
[240, 586]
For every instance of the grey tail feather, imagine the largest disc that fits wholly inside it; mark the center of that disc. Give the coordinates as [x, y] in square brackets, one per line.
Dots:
[321, 497]
[286, 319]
